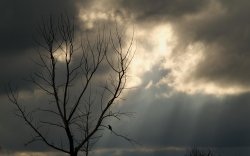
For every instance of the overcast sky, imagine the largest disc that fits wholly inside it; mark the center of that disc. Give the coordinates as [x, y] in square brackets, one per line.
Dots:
[190, 74]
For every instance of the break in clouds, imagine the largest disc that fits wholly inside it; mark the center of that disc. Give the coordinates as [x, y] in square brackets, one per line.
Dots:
[211, 45]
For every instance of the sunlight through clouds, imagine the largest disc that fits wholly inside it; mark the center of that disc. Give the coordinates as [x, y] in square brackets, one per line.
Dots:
[159, 45]
[100, 11]
[182, 70]
[152, 46]
[60, 54]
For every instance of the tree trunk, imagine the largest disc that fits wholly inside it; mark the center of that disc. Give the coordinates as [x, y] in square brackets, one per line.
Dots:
[73, 154]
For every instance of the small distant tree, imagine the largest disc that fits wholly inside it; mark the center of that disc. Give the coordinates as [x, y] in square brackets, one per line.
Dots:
[81, 114]
[198, 152]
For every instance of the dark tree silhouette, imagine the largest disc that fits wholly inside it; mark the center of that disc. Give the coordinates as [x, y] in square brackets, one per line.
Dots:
[198, 152]
[81, 114]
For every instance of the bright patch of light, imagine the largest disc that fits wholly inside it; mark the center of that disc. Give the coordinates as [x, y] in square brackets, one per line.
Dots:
[182, 66]
[149, 84]
[156, 46]
[99, 11]
[152, 46]
[60, 54]
[182, 78]
[90, 18]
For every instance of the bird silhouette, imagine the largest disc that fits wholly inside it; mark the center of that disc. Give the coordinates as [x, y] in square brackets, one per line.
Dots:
[110, 128]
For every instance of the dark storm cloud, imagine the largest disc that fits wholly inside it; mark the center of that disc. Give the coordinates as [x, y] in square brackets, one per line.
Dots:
[19, 21]
[19, 18]
[148, 9]
[226, 36]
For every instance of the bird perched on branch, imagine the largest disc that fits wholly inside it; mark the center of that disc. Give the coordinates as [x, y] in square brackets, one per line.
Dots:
[110, 128]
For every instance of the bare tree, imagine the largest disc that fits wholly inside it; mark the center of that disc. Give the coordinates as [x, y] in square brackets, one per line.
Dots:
[198, 152]
[81, 113]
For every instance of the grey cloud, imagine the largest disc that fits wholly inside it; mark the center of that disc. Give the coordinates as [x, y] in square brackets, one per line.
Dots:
[155, 10]
[226, 38]
[18, 30]
[19, 20]
[183, 120]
